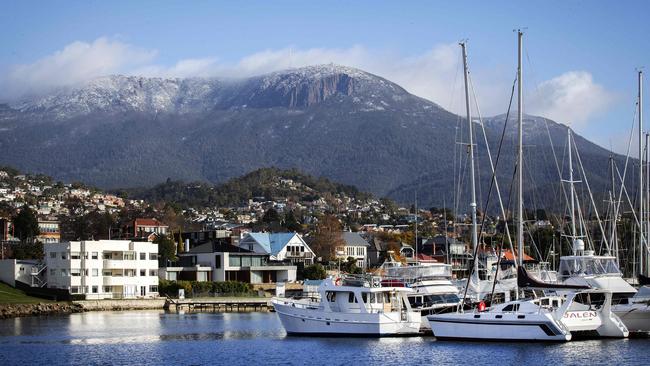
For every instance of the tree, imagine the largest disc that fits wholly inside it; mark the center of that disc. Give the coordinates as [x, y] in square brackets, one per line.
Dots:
[314, 272]
[290, 222]
[350, 266]
[75, 225]
[166, 249]
[327, 237]
[32, 250]
[271, 216]
[26, 225]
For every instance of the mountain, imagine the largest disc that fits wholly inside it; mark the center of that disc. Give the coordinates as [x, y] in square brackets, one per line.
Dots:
[268, 183]
[332, 121]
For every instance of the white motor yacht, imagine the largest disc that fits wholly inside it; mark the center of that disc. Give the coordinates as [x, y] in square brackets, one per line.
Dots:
[369, 310]
[433, 291]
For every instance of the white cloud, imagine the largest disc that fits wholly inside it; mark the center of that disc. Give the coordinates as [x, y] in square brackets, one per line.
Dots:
[75, 63]
[572, 97]
[435, 74]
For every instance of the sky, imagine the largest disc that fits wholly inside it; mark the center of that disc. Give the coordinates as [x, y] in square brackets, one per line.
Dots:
[580, 57]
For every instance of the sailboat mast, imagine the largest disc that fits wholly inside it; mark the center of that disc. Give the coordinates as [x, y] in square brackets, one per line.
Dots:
[472, 204]
[520, 158]
[647, 197]
[573, 209]
[641, 213]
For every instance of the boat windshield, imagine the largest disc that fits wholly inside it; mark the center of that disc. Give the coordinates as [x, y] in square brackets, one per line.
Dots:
[588, 266]
[419, 271]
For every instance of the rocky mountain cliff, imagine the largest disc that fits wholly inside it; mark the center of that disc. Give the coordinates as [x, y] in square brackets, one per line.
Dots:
[328, 120]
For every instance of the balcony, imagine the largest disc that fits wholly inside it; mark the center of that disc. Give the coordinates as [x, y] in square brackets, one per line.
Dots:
[119, 264]
[299, 255]
[117, 280]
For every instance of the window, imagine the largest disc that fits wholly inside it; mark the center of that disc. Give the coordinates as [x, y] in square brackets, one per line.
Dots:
[153, 256]
[64, 272]
[52, 272]
[107, 255]
[202, 276]
[152, 272]
[171, 276]
[234, 261]
[95, 272]
[352, 298]
[256, 261]
[74, 289]
[331, 296]
[95, 289]
[217, 261]
[143, 272]
[21, 270]
[95, 255]
[143, 256]
[107, 273]
[64, 255]
[52, 254]
[130, 273]
[245, 261]
[128, 256]
[108, 289]
[75, 272]
[153, 288]
[75, 255]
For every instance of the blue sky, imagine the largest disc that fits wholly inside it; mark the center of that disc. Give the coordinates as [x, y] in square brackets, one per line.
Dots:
[580, 55]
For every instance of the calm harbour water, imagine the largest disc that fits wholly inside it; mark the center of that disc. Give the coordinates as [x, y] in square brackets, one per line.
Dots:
[155, 338]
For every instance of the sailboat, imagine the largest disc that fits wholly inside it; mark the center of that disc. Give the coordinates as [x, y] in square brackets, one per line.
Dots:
[585, 268]
[552, 318]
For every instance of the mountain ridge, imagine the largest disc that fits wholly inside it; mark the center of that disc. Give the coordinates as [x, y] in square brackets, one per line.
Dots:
[328, 120]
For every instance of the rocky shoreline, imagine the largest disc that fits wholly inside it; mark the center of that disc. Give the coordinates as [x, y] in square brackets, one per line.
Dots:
[58, 308]
[19, 310]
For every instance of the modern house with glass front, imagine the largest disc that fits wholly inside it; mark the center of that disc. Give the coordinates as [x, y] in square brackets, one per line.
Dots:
[218, 261]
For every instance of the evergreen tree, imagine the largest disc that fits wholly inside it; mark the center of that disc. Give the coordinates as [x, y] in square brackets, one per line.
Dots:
[26, 225]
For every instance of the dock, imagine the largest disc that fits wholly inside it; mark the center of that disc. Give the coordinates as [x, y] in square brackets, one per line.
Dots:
[219, 304]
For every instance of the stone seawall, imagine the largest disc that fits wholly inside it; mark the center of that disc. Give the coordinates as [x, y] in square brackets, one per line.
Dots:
[18, 310]
[108, 305]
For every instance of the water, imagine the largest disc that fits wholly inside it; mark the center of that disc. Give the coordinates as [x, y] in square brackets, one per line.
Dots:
[155, 338]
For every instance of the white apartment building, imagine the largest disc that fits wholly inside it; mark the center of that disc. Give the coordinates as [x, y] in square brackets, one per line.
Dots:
[103, 269]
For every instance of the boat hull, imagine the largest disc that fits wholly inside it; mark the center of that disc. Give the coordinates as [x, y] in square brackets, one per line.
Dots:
[486, 326]
[636, 317]
[299, 321]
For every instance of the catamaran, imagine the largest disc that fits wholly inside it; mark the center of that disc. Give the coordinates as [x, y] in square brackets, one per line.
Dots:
[551, 318]
[347, 308]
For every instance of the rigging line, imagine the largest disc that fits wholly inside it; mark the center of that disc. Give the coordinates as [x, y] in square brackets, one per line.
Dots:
[510, 191]
[487, 204]
[636, 219]
[493, 166]
[557, 166]
[627, 159]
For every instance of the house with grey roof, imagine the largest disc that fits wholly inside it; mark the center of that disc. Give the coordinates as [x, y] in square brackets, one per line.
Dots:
[279, 246]
[356, 247]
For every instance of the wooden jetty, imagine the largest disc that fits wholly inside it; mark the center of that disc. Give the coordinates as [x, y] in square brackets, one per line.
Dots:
[220, 304]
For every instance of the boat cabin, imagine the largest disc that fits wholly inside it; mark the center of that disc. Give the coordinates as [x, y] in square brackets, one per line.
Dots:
[587, 265]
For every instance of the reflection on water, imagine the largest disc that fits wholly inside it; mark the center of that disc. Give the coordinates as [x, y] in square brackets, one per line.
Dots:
[152, 337]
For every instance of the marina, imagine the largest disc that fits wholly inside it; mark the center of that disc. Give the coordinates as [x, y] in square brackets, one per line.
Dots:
[157, 337]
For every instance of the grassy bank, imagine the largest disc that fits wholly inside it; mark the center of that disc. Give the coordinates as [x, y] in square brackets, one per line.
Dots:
[9, 295]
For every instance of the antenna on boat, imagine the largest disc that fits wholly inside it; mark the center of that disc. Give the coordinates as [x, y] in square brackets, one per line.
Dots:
[472, 204]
